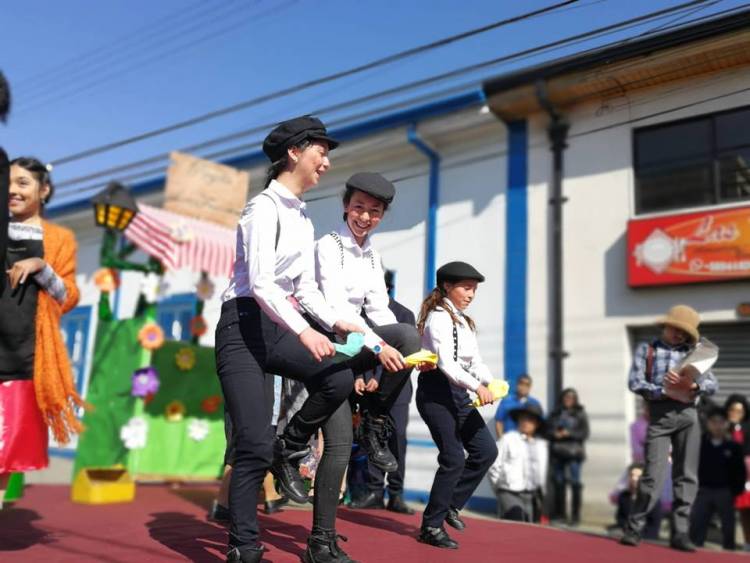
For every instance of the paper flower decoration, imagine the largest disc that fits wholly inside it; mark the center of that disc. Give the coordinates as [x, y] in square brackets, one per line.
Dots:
[198, 326]
[145, 382]
[134, 433]
[151, 336]
[175, 411]
[211, 404]
[204, 289]
[107, 280]
[198, 429]
[185, 359]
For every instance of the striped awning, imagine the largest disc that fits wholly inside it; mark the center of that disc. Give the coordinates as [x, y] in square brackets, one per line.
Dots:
[181, 242]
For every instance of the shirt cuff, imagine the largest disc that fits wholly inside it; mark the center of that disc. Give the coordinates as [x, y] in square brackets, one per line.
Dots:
[45, 276]
[374, 342]
[297, 323]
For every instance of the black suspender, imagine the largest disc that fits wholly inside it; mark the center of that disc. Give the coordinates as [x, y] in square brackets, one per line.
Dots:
[340, 244]
[278, 220]
[455, 342]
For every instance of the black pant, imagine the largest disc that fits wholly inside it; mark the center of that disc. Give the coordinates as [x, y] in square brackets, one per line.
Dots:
[707, 502]
[397, 445]
[248, 346]
[454, 426]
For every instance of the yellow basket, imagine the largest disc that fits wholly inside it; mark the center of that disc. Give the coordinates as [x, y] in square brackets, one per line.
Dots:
[103, 485]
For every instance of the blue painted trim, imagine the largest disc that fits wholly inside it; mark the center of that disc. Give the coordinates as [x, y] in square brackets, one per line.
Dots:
[485, 505]
[516, 252]
[62, 452]
[433, 204]
[347, 133]
[421, 443]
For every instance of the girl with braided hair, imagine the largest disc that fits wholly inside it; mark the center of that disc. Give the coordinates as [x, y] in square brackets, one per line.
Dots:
[37, 394]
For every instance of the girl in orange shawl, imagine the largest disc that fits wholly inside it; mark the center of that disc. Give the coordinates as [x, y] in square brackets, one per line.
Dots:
[36, 385]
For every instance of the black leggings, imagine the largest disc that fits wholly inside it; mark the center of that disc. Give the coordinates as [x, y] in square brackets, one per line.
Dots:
[248, 346]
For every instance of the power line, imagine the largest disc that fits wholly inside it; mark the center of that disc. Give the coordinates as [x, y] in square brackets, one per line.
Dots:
[464, 70]
[309, 84]
[188, 42]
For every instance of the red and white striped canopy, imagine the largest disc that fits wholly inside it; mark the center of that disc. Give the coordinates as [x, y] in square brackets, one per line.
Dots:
[181, 242]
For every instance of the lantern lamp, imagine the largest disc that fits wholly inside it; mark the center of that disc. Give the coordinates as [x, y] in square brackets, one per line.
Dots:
[114, 207]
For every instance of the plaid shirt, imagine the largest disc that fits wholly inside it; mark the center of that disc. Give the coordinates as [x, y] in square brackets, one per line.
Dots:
[651, 386]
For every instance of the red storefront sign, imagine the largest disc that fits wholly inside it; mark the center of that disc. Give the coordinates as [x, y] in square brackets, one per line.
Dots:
[694, 247]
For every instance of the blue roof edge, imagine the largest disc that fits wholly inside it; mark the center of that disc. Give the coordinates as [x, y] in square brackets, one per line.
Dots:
[345, 133]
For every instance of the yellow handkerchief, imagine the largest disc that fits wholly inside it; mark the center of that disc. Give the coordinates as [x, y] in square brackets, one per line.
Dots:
[498, 388]
[421, 357]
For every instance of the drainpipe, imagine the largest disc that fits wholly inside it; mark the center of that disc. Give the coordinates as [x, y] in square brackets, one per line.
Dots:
[557, 132]
[434, 196]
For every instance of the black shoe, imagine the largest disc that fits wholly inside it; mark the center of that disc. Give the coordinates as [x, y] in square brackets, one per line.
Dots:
[681, 542]
[323, 547]
[271, 506]
[437, 537]
[251, 554]
[397, 504]
[285, 469]
[218, 513]
[377, 430]
[630, 538]
[454, 520]
[370, 500]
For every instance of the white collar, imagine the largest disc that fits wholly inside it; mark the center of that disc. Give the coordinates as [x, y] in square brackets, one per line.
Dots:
[286, 195]
[448, 305]
[348, 240]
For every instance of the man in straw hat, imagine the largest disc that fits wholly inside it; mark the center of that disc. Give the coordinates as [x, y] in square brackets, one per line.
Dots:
[672, 424]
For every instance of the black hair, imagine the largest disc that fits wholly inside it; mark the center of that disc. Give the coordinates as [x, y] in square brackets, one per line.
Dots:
[525, 376]
[280, 165]
[737, 398]
[716, 411]
[350, 192]
[39, 171]
[4, 97]
[636, 465]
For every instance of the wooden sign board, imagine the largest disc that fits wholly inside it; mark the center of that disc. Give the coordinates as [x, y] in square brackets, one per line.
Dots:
[205, 190]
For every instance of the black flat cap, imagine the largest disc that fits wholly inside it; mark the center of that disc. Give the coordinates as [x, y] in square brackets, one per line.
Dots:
[372, 184]
[292, 131]
[457, 271]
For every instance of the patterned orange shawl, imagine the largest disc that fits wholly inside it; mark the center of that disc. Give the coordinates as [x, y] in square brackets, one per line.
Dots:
[56, 395]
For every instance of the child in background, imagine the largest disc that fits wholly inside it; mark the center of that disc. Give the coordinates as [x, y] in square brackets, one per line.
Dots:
[721, 477]
[626, 499]
[520, 470]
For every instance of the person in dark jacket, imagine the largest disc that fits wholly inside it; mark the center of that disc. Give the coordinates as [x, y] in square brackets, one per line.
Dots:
[568, 429]
[626, 499]
[737, 412]
[721, 477]
[4, 174]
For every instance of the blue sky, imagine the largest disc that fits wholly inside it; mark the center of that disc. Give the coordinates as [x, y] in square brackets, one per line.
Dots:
[86, 72]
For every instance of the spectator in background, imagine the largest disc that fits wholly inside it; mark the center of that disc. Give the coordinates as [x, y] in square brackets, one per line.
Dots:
[673, 424]
[568, 429]
[721, 475]
[625, 500]
[520, 398]
[737, 411]
[397, 441]
[520, 470]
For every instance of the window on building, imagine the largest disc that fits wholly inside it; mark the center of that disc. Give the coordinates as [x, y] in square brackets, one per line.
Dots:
[697, 162]
[174, 314]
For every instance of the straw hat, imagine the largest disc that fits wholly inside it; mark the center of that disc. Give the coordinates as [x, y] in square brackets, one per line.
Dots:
[685, 318]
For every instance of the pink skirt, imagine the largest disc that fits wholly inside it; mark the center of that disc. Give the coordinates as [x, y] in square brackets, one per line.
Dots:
[23, 433]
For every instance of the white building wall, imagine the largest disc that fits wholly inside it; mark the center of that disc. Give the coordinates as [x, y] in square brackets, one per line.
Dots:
[599, 306]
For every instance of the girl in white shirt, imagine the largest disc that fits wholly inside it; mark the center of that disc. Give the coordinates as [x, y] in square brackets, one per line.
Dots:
[444, 403]
[265, 328]
[350, 275]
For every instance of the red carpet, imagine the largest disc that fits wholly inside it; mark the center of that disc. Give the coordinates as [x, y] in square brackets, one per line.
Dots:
[167, 524]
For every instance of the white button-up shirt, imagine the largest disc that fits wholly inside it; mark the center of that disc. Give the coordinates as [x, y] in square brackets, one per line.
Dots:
[351, 278]
[271, 273]
[468, 370]
[521, 463]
